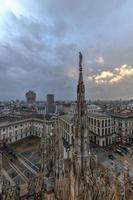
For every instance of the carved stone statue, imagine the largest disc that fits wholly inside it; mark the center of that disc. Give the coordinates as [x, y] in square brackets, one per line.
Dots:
[80, 58]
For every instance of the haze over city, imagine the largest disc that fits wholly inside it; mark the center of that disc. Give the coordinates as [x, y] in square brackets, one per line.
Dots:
[40, 41]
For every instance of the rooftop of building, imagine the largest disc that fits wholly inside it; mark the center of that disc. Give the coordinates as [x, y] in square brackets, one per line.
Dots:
[93, 106]
[70, 116]
[99, 115]
[123, 115]
[6, 120]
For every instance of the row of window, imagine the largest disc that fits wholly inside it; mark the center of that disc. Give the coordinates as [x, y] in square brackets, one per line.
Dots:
[17, 126]
[102, 132]
[21, 125]
[99, 123]
[103, 143]
[20, 136]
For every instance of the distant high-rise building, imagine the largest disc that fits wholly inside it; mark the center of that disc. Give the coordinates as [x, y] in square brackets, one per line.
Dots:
[30, 97]
[50, 108]
[50, 98]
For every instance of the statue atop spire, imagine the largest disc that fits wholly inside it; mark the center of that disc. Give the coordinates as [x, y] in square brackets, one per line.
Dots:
[80, 59]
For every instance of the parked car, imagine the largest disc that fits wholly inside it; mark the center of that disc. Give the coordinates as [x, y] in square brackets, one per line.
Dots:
[124, 148]
[119, 152]
[111, 157]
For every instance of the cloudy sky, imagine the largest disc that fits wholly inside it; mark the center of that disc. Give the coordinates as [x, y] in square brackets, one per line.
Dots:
[40, 41]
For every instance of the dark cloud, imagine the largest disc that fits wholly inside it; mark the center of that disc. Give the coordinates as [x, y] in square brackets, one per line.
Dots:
[39, 48]
[28, 61]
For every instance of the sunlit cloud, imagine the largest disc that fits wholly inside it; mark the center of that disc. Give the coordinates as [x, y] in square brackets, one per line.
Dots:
[10, 5]
[105, 75]
[114, 76]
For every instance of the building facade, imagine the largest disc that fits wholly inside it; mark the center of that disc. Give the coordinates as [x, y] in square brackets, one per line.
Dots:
[124, 127]
[102, 129]
[22, 128]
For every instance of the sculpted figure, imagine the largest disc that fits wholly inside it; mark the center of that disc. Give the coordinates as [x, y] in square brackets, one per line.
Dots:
[80, 58]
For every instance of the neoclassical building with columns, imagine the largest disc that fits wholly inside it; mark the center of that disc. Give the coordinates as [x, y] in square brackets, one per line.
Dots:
[12, 131]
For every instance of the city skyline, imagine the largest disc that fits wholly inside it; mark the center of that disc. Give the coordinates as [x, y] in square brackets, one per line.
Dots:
[40, 41]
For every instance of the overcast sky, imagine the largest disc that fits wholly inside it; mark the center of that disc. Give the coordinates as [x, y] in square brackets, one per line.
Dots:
[40, 41]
